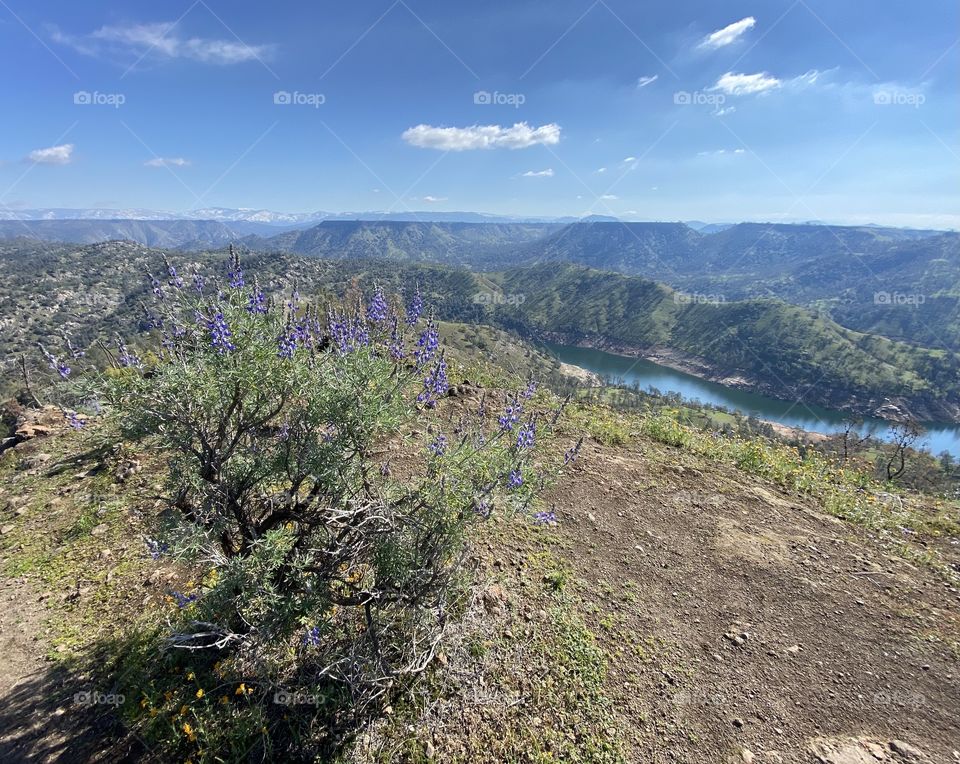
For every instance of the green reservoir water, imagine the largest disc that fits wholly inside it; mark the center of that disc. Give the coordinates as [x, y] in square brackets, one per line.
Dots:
[939, 437]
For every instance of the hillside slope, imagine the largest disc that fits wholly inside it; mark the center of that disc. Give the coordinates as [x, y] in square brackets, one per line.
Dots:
[683, 610]
[780, 349]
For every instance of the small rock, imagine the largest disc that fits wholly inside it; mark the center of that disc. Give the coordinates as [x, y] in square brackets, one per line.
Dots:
[907, 751]
[738, 723]
[794, 649]
[429, 750]
[4, 530]
[877, 751]
[747, 755]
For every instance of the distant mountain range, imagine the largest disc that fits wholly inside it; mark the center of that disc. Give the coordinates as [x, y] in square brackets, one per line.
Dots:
[282, 219]
[900, 283]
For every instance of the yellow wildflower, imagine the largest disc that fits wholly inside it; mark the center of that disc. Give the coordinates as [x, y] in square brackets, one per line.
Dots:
[200, 693]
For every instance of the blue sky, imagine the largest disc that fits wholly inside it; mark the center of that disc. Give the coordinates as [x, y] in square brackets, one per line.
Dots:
[717, 111]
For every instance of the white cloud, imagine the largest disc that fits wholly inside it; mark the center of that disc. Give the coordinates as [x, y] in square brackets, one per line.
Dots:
[724, 111]
[167, 162]
[628, 160]
[600, 170]
[520, 136]
[548, 173]
[746, 84]
[52, 155]
[434, 199]
[728, 35]
[720, 152]
[644, 81]
[160, 40]
[609, 197]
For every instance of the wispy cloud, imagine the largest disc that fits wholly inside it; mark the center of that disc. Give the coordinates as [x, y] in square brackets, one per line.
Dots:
[520, 136]
[746, 84]
[160, 40]
[53, 155]
[609, 197]
[548, 173]
[434, 199]
[644, 81]
[167, 162]
[728, 35]
[720, 152]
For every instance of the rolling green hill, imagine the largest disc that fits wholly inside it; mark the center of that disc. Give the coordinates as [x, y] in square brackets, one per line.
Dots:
[766, 345]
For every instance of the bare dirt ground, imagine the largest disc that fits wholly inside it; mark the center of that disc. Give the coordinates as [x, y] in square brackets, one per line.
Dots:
[752, 627]
[742, 624]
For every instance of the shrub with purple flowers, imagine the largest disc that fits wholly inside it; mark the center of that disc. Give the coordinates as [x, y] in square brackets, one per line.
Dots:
[271, 419]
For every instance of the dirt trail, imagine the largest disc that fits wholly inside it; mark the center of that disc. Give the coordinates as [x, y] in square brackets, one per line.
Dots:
[752, 625]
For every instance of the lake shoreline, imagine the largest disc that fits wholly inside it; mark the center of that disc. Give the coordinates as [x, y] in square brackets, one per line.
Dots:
[892, 409]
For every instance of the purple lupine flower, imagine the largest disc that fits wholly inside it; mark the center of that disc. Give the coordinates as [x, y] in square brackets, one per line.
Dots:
[183, 599]
[415, 308]
[427, 344]
[360, 333]
[257, 304]
[526, 436]
[510, 416]
[530, 390]
[483, 508]
[312, 637]
[74, 352]
[435, 384]
[339, 330]
[235, 272]
[74, 420]
[515, 479]
[155, 286]
[439, 446]
[377, 309]
[286, 343]
[125, 357]
[156, 548]
[219, 333]
[198, 283]
[293, 304]
[397, 353]
[174, 280]
[573, 452]
[55, 363]
[152, 320]
[545, 518]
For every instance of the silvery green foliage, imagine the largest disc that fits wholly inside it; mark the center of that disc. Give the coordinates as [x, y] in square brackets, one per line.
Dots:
[300, 477]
